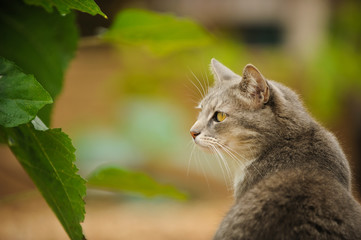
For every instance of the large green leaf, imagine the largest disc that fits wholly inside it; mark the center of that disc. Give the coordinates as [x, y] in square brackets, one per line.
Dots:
[48, 157]
[21, 96]
[64, 6]
[116, 179]
[39, 43]
[161, 33]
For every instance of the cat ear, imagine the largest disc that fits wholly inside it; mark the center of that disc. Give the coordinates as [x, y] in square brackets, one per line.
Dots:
[254, 84]
[221, 72]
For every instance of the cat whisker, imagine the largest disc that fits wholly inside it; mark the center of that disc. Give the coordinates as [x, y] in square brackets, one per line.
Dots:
[232, 153]
[229, 152]
[203, 90]
[205, 80]
[208, 84]
[221, 161]
[211, 148]
[245, 159]
[195, 154]
[228, 170]
[239, 161]
[204, 172]
[195, 85]
[193, 97]
[239, 164]
[190, 158]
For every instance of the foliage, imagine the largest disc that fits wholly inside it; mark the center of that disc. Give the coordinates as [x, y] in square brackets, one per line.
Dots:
[48, 157]
[335, 72]
[41, 44]
[44, 42]
[21, 96]
[35, 49]
[116, 179]
[64, 6]
[160, 33]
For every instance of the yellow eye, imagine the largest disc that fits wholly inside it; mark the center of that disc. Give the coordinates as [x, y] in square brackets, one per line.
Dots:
[220, 116]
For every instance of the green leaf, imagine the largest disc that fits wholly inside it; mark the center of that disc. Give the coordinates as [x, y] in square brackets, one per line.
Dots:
[64, 6]
[161, 33]
[21, 96]
[39, 43]
[48, 157]
[116, 179]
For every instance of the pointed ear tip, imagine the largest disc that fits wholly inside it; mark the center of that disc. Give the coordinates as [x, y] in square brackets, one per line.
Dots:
[213, 61]
[250, 67]
[212, 65]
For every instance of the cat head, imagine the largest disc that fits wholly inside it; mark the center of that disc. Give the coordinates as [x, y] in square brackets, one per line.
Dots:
[243, 114]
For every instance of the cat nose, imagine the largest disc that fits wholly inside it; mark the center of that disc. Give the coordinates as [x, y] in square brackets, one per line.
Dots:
[194, 134]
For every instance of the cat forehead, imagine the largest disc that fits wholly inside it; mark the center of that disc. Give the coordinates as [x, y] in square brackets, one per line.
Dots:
[218, 99]
[223, 88]
[225, 97]
[215, 95]
[212, 100]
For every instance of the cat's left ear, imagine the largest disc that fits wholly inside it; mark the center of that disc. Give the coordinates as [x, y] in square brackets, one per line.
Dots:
[254, 84]
[221, 72]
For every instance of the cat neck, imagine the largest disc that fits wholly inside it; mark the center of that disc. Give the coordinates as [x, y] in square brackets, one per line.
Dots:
[315, 150]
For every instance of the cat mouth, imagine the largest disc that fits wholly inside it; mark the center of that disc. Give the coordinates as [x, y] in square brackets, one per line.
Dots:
[205, 148]
[202, 144]
[208, 144]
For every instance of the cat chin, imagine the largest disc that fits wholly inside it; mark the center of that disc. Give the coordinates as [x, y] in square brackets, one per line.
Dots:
[205, 148]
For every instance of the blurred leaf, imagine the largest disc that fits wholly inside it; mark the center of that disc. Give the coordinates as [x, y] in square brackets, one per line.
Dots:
[335, 72]
[64, 6]
[39, 43]
[332, 75]
[161, 33]
[21, 96]
[321, 82]
[48, 157]
[116, 179]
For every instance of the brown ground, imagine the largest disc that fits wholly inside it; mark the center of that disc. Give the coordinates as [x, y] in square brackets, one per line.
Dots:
[25, 214]
[29, 217]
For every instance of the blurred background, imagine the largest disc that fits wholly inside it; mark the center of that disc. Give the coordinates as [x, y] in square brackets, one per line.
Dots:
[132, 106]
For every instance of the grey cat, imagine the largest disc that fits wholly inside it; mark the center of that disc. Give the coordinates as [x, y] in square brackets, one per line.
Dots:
[295, 182]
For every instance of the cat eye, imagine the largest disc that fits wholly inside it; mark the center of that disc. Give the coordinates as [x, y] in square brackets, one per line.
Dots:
[219, 116]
